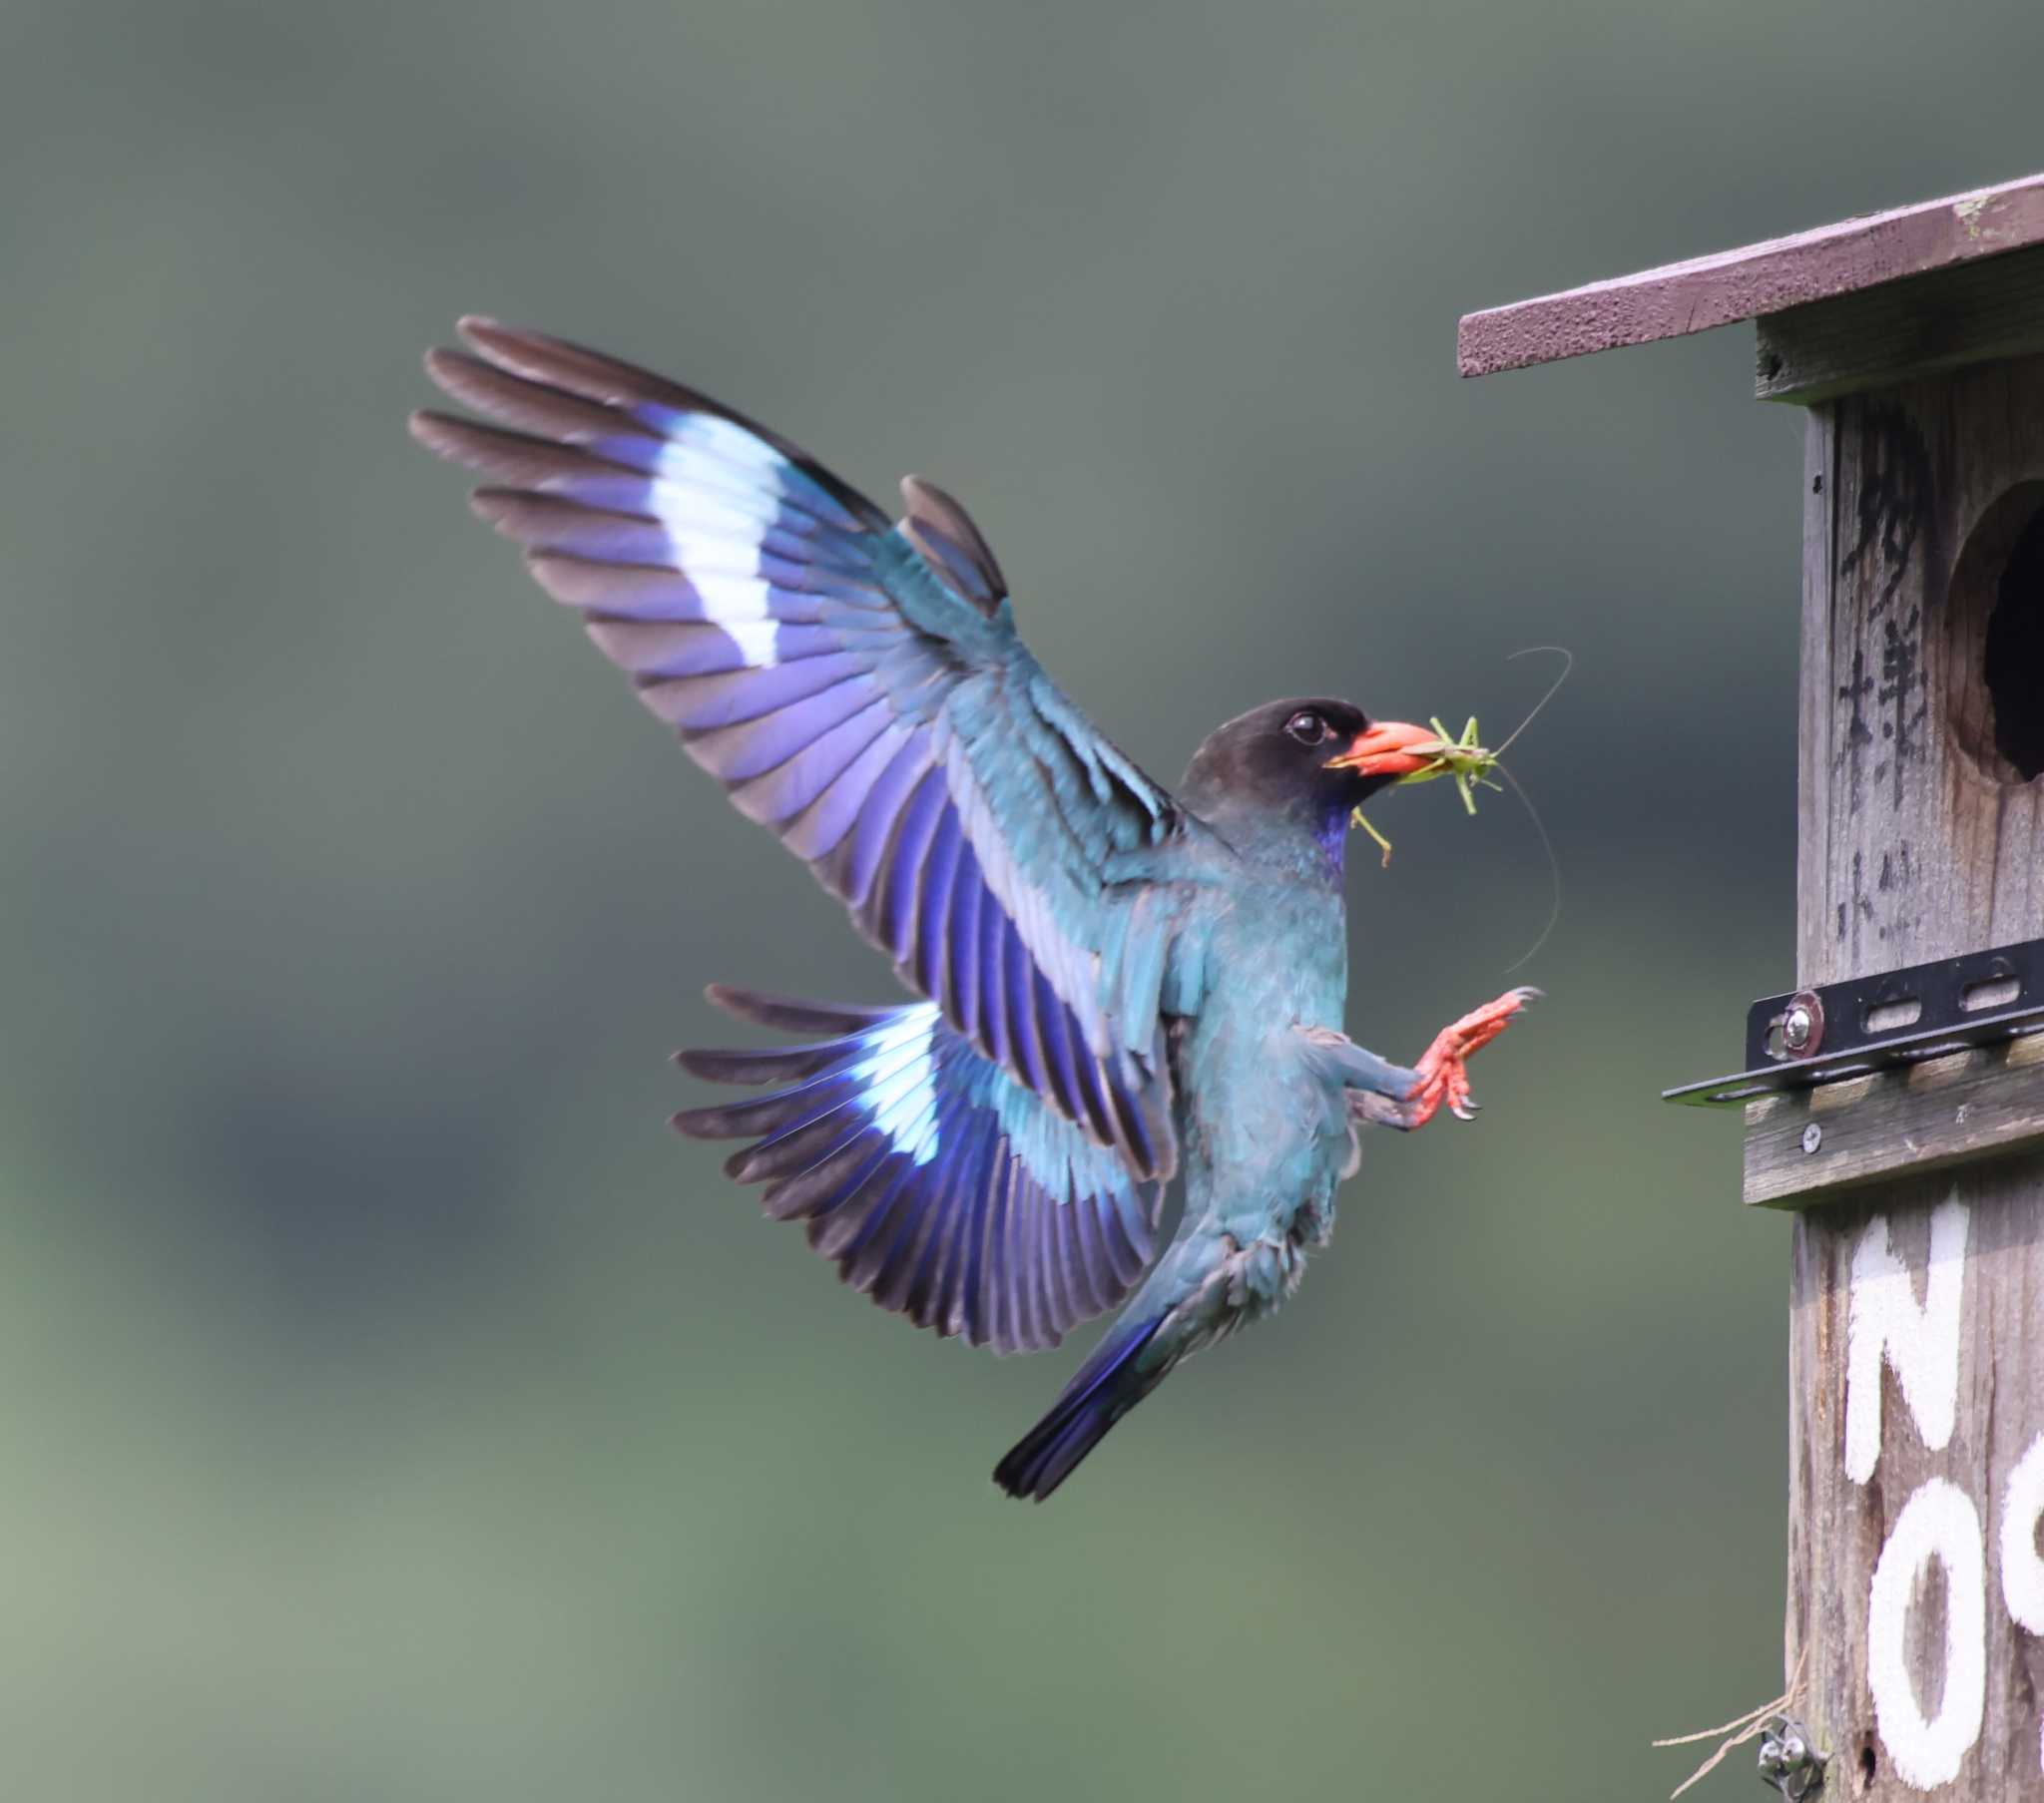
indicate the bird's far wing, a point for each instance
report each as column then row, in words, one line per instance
column 937, row 1184
column 857, row 686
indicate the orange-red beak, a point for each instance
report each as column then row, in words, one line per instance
column 1389, row 748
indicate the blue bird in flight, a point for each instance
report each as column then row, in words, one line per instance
column 1117, row 983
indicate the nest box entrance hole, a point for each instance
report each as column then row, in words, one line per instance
column 1995, row 671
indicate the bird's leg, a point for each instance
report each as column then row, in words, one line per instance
column 1443, row 1067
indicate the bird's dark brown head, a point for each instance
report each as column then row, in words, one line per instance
column 1305, row 763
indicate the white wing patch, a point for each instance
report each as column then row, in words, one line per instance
column 899, row 1079
column 715, row 532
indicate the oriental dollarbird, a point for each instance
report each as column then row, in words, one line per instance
column 1116, row 983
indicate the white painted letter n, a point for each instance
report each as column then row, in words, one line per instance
column 1921, row 1344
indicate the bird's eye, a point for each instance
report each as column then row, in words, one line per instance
column 1307, row 728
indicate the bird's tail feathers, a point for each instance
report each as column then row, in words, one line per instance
column 1105, row 1388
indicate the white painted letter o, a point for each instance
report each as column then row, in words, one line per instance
column 1937, row 1523
column 2022, row 1571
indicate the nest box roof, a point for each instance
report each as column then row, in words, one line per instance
column 1845, row 258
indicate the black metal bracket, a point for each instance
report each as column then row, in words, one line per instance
column 1817, row 1036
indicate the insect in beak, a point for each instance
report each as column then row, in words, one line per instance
column 1409, row 753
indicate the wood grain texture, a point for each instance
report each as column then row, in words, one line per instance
column 1975, row 312
column 1839, row 1527
column 1914, row 846
column 1971, row 1105
column 1705, row 291
column 1916, row 842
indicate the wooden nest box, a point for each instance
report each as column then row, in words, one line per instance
column 1895, row 1099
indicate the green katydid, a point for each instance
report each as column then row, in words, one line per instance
column 1465, row 759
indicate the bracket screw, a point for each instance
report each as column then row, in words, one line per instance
column 1813, row 1136
column 1802, row 1025
column 1789, row 1763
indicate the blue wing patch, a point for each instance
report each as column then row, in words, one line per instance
column 938, row 1185
column 858, row 688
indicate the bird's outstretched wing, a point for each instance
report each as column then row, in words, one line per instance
column 937, row 1184
column 858, row 686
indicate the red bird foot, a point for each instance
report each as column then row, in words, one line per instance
column 1443, row 1067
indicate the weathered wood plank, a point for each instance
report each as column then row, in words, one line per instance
column 1976, row 313
column 1813, row 751
column 1972, row 1105
column 1759, row 279
column 1915, row 847
column 1917, row 1439
column 1916, row 1358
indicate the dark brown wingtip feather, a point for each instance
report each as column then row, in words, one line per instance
column 508, row 456
column 468, row 379
column 714, row 1065
column 702, row 1124
column 456, row 440
column 543, row 521
column 597, row 377
column 430, row 430
column 528, row 405
column 541, row 357
column 790, row 1014
column 455, row 373
column 494, row 506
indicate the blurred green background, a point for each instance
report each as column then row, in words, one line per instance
column 393, row 1409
